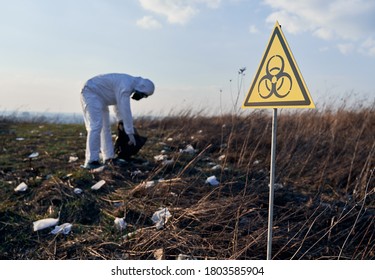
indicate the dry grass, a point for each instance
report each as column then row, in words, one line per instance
column 324, row 200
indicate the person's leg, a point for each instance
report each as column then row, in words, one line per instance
column 106, row 137
column 92, row 112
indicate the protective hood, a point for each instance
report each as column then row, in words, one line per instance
column 145, row 86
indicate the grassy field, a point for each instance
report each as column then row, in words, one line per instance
column 324, row 197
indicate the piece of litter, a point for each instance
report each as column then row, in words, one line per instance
column 221, row 157
column 185, row 257
column 77, row 190
column 72, row 159
column 216, row 167
column 45, row 223
column 160, row 157
column 20, row 139
column 276, row 186
column 120, row 223
column 150, row 184
column 170, row 139
column 189, row 149
column 256, row 162
column 135, row 173
column 98, row 185
column 161, row 217
column 99, row 169
column 21, row 187
column 64, row 229
column 33, row 155
column 212, row 181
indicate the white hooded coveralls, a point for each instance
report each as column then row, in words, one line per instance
column 97, row 94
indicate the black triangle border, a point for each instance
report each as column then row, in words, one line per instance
column 307, row 100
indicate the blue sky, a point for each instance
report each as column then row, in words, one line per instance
column 192, row 50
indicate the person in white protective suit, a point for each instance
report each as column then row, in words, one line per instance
column 97, row 94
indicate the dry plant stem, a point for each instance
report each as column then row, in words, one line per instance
column 359, row 213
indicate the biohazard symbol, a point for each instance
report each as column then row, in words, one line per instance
column 276, row 81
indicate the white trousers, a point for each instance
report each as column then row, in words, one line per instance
column 98, row 126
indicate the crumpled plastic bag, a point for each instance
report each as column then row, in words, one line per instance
column 120, row 223
column 161, row 217
column 64, row 229
column 33, row 155
column 72, row 159
column 77, row 190
column 189, row 149
column 21, row 187
column 44, row 223
column 212, row 181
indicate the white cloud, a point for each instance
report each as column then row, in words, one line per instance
column 253, row 29
column 177, row 11
column 368, row 47
column 349, row 21
column 148, row 22
column 345, row 48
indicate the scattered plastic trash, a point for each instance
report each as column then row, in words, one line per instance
column 182, row 257
column 99, row 169
column 135, row 173
column 72, row 159
column 216, row 167
column 64, row 229
column 98, row 185
column 150, row 184
column 222, row 157
column 160, row 158
column 189, row 149
column 20, row 139
column 44, row 223
column 120, row 223
column 33, row 155
column 21, row 187
column 77, row 190
column 170, row 139
column 256, row 162
column 276, row 186
column 161, row 217
column 212, row 181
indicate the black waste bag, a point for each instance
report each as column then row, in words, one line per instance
column 122, row 148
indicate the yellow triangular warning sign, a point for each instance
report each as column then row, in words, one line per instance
column 278, row 82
